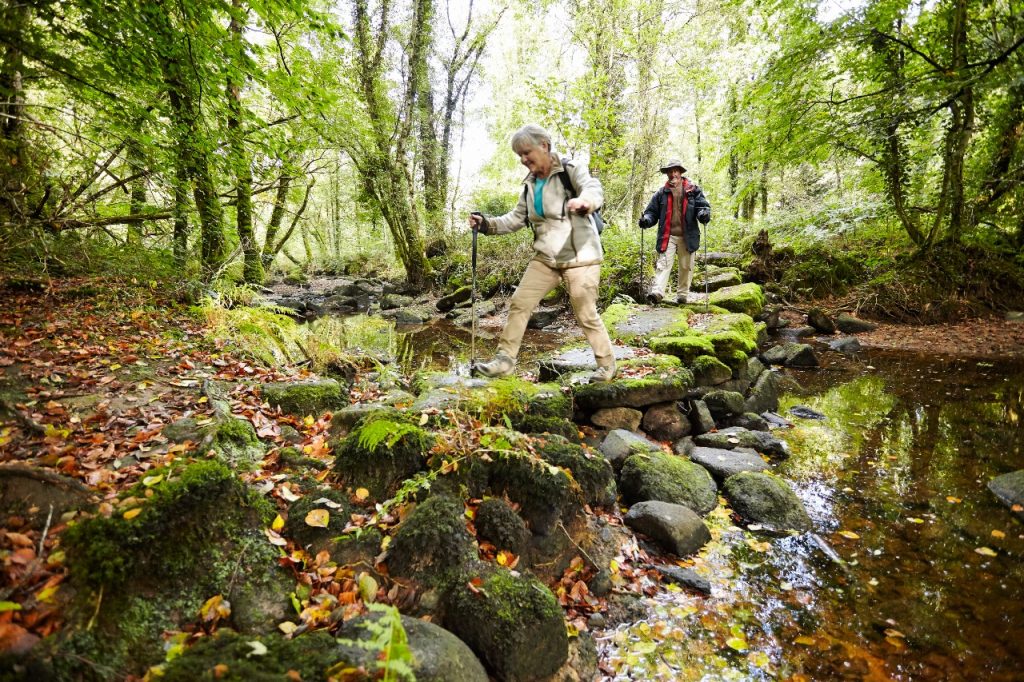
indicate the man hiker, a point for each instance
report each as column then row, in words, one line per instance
column 675, row 209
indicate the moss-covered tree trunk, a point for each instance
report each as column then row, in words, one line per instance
column 136, row 166
column 276, row 215
column 14, row 17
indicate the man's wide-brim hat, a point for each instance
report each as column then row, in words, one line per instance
column 674, row 163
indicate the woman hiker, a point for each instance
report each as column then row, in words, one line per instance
column 566, row 244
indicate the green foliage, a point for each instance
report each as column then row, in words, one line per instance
column 384, row 431
column 389, row 640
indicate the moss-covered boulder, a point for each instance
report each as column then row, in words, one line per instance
column 723, row 403
column 764, row 394
column 449, row 301
column 432, row 545
column 437, row 654
column 497, row 523
column 666, row 422
column 234, row 441
column 710, row 371
column 791, row 355
column 668, row 478
column 675, row 527
column 198, row 535
column 766, row 499
column 546, row 494
column 228, row 656
column 512, row 622
column 742, row 298
column 306, row 398
column 620, row 444
column 717, row 278
column 318, row 537
column 651, row 389
column 383, row 450
column 738, row 437
column 686, row 348
column 592, row 472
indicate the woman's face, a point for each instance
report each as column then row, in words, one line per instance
column 536, row 159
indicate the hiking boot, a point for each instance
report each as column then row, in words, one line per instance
column 654, row 298
column 606, row 373
column 683, row 298
column 501, row 366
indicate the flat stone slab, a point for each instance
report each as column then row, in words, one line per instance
column 676, row 528
column 725, row 463
column 643, row 322
column 649, row 390
column 1009, row 488
column 687, row 577
column 578, row 360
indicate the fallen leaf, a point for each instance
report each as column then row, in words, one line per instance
column 805, row 640
column 736, row 643
column 914, row 519
column 998, row 534
column 132, row 513
column 953, row 500
column 362, row 494
column 278, row 523
column 258, row 648
column 986, row 551
column 318, row 518
column 849, row 534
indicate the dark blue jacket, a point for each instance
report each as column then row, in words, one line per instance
column 697, row 209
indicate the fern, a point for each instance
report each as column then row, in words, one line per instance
column 379, row 431
column 388, row 638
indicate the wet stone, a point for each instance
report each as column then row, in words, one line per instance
column 674, row 527
column 725, row 463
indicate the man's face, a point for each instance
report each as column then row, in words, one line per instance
column 674, row 176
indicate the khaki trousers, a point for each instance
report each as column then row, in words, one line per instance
column 581, row 283
column 663, row 267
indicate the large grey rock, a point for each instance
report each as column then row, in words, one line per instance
column 626, row 418
column 725, row 463
column 764, row 394
column 817, row 318
column 845, row 344
column 446, row 303
column 768, row 500
column 1009, row 488
column 710, row 371
column 738, row 437
column 675, row 527
column 700, row 418
column 619, row 445
column 542, row 317
column 717, row 279
column 392, row 301
column 848, row 324
column 415, row 314
column 665, row 422
column 551, row 367
column 791, row 355
column 668, row 478
column 724, row 403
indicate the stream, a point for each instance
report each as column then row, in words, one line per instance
column 916, row 573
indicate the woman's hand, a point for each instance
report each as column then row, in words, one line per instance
column 579, row 206
column 476, row 221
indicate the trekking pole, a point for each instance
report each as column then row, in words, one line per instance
column 707, row 302
column 642, row 264
column 472, row 337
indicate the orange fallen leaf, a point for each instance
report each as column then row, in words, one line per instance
column 318, row 518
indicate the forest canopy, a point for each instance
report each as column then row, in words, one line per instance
column 238, row 136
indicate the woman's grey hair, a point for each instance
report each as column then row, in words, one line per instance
column 530, row 135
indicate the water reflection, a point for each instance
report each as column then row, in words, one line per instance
column 894, row 479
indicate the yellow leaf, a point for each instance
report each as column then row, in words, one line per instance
column 318, row 518
column 424, row 418
column 150, row 481
column 849, row 534
column 914, row 519
column 953, row 500
column 613, row 566
column 985, row 551
column 278, row 523
column 737, row 643
column 501, row 559
column 805, row 640
column 308, row 421
column 998, row 534
column 287, row 627
column 362, row 494
column 132, row 513
column 367, row 587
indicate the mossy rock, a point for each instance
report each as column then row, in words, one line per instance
column 432, row 545
column 667, row 478
column 230, row 657
column 724, row 403
column 537, row 425
column 686, row 348
column 496, row 522
column 317, row 538
column 727, row 343
column 199, row 531
column 382, row 451
column 656, row 361
column 515, row 399
column 546, row 494
column 592, row 472
column 306, row 398
column 512, row 622
column 235, row 442
column 743, row 298
column 628, row 323
column 710, row 371
column 766, row 499
column 649, row 390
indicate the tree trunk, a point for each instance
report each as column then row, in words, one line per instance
column 13, row 169
column 252, row 271
column 136, row 163
column 181, row 226
column 280, row 201
column 961, row 126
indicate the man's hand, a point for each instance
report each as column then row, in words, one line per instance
column 704, row 215
column 644, row 222
column 579, row 206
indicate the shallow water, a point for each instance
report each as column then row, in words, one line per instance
column 894, row 479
